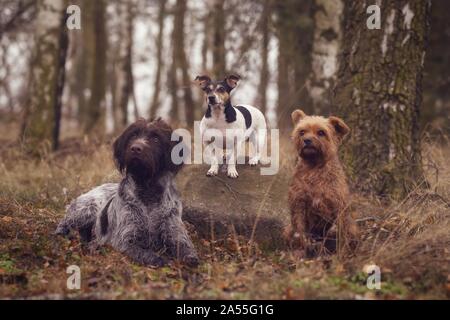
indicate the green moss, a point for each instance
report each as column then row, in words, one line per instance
column 8, row 264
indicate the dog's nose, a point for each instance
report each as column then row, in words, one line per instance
column 307, row 142
column 212, row 99
column 136, row 148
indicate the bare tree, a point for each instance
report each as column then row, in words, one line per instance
column 206, row 45
column 16, row 13
column 96, row 108
column 294, row 31
column 43, row 109
column 179, row 63
column 326, row 47
column 218, row 49
column 379, row 95
column 122, row 83
column 264, row 26
column 159, row 59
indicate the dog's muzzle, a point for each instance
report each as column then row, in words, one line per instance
column 309, row 151
column 212, row 100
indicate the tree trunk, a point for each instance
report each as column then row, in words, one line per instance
column 60, row 82
column 42, row 111
column 172, row 73
column 284, row 90
column 124, row 74
column 85, row 52
column 159, row 60
column 303, row 34
column 219, row 57
column 264, row 79
column 294, row 33
column 325, row 50
column 96, row 109
column 206, row 45
column 180, row 63
column 189, row 105
column 379, row 95
column 173, row 89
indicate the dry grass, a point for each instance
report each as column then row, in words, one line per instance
column 409, row 240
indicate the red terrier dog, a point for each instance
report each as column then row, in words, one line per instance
column 318, row 194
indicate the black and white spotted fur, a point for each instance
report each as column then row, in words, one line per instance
column 221, row 115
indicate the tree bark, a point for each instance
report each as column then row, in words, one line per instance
column 219, row 54
column 172, row 73
column 325, row 50
column 159, row 60
column 84, row 53
column 264, row 79
column 42, row 112
column 96, row 108
column 60, row 82
column 189, row 106
column 124, row 72
column 180, row 63
column 294, row 33
column 379, row 95
column 206, row 45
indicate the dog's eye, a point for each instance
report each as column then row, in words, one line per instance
column 220, row 90
column 321, row 133
column 302, row 133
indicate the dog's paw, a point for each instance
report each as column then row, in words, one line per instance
column 155, row 261
column 62, row 230
column 232, row 173
column 264, row 161
column 191, row 260
column 212, row 172
column 92, row 247
column 253, row 161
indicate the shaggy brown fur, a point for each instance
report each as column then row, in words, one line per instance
column 318, row 194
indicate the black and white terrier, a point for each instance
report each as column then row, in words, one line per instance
column 141, row 215
column 221, row 116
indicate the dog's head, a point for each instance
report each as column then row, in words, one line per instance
column 217, row 93
column 144, row 149
column 317, row 138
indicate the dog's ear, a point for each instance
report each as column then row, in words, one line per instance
column 121, row 143
column 232, row 80
column 339, row 126
column 165, row 133
column 119, row 149
column 297, row 115
column 203, row 81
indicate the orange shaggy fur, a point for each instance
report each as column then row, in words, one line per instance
column 318, row 194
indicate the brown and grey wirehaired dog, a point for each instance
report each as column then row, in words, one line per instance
column 141, row 215
column 318, row 194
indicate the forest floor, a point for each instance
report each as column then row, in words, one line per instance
column 409, row 240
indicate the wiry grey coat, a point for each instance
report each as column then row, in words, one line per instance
column 144, row 230
column 141, row 215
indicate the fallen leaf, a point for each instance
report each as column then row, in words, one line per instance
column 7, row 219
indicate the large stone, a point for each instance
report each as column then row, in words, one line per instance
column 253, row 206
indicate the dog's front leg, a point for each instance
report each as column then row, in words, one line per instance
column 231, row 158
column 211, row 153
column 145, row 256
column 177, row 241
column 296, row 232
column 79, row 217
column 133, row 248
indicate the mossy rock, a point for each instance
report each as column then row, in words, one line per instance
column 220, row 206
